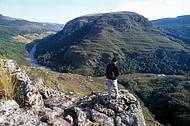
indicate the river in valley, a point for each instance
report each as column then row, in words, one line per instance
column 32, row 59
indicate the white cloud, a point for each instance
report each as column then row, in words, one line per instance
column 155, row 9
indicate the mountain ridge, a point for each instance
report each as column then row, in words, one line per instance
column 89, row 42
column 24, row 24
column 178, row 28
column 183, row 19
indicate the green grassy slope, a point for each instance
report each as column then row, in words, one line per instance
column 10, row 49
column 87, row 43
column 178, row 27
column 15, row 33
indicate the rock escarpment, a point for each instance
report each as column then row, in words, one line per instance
column 36, row 104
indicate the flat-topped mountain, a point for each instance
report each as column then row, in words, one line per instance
column 87, row 43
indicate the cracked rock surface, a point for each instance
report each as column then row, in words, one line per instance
column 97, row 109
column 35, row 104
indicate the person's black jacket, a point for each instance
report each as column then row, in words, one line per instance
column 112, row 71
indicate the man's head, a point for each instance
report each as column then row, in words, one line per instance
column 114, row 60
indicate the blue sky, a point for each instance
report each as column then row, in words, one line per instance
column 61, row 11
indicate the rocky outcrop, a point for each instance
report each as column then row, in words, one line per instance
column 98, row 109
column 36, row 104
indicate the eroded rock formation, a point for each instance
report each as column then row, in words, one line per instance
column 35, row 104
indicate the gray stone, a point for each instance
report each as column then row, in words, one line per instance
column 103, row 119
column 96, row 108
column 37, row 104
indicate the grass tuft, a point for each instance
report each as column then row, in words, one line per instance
column 6, row 86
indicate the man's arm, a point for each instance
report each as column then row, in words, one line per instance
column 116, row 72
column 107, row 70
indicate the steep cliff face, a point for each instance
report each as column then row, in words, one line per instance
column 36, row 104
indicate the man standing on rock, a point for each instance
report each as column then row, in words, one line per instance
column 111, row 74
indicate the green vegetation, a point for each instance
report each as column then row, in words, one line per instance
column 10, row 49
column 86, row 45
column 15, row 33
column 159, row 61
column 178, row 27
column 167, row 97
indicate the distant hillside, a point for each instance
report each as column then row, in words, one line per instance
column 14, row 33
column 180, row 20
column 178, row 27
column 20, row 26
column 87, row 43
